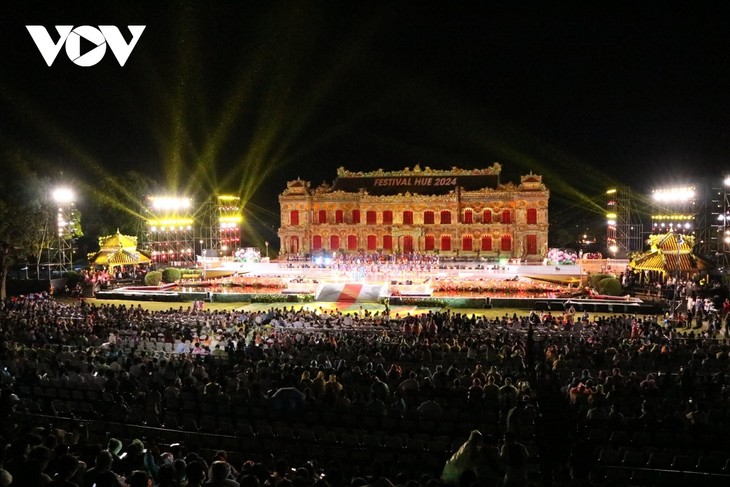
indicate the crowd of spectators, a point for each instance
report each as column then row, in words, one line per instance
column 230, row 374
column 380, row 264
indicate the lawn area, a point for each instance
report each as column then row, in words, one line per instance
column 346, row 308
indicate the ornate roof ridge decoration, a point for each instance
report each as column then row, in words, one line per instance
column 494, row 169
column 532, row 182
column 118, row 240
column 670, row 242
column 508, row 186
column 297, row 183
column 296, row 187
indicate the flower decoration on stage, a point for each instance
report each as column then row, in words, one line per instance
column 561, row 257
column 247, row 254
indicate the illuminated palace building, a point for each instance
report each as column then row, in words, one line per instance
column 455, row 212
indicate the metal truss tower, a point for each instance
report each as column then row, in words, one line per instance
column 624, row 232
column 62, row 255
column 719, row 227
column 220, row 231
column 60, row 249
column 170, row 236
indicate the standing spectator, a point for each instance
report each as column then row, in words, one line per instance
column 514, row 458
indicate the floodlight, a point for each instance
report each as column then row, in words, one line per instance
column 170, row 203
column 228, row 197
column 63, row 195
column 726, row 181
column 674, row 195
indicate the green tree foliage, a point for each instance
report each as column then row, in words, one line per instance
column 597, row 278
column 171, row 274
column 153, row 278
column 610, row 286
column 23, row 214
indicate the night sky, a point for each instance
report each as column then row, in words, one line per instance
column 242, row 96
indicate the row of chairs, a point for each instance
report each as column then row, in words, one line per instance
column 659, row 439
column 668, row 459
column 642, row 477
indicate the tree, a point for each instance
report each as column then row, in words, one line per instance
column 22, row 215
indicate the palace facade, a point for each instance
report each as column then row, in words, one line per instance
column 455, row 212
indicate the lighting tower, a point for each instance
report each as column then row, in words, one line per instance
column 624, row 232
column 170, row 230
column 677, row 209
column 720, row 226
column 221, row 226
column 61, row 257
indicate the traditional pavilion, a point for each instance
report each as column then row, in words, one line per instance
column 453, row 212
column 670, row 255
column 118, row 250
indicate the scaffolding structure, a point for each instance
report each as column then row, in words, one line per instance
column 61, row 256
column 681, row 210
column 170, row 235
column 66, row 225
column 625, row 231
column 220, row 231
column 719, row 225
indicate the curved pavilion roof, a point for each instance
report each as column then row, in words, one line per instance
column 670, row 253
column 118, row 249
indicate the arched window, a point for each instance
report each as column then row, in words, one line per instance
column 387, row 242
column 532, row 216
column 486, row 243
column 294, row 245
column 407, row 243
column 445, row 217
column 334, row 242
column 371, row 217
column 428, row 218
column 487, row 216
column 387, row 217
column 506, row 216
column 429, row 242
column 352, row 242
column 372, row 242
column 294, row 217
column 468, row 216
column 355, row 216
column 339, row 216
column 322, row 217
column 467, row 244
column 445, row 243
column 317, row 242
column 408, row 217
column 506, row 243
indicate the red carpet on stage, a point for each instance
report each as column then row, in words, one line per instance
column 350, row 293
